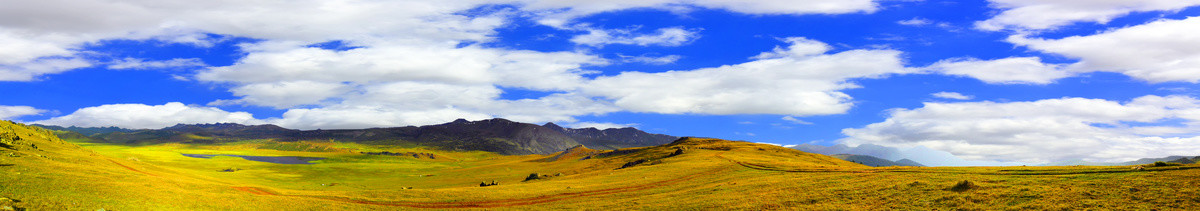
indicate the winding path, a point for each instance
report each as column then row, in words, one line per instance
column 130, row 168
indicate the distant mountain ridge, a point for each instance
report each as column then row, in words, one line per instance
column 1172, row 159
column 874, row 161
column 929, row 157
column 493, row 135
column 920, row 155
column 87, row 131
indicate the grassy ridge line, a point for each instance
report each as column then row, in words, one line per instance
column 705, row 177
column 493, row 203
column 1002, row 172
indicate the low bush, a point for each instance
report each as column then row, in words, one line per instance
column 963, row 186
column 1161, row 164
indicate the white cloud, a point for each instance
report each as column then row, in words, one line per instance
column 674, row 36
column 140, row 64
column 599, row 125
column 471, row 66
column 50, row 29
column 917, row 21
column 951, row 95
column 398, row 90
column 1013, row 70
column 800, row 80
column 794, row 120
column 148, row 116
column 55, row 30
column 410, row 67
column 285, row 94
column 652, row 60
column 1045, row 130
column 9, row 112
column 553, row 108
column 357, row 117
column 1050, row 14
column 560, row 13
column 31, row 70
column 25, row 47
column 1160, row 51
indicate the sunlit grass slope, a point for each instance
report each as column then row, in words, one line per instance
column 691, row 173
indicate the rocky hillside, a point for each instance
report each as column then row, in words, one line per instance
column 613, row 138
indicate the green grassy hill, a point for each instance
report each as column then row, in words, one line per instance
column 689, row 173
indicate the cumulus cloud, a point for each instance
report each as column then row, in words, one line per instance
column 799, row 80
column 429, row 63
column 1044, row 130
column 9, row 112
column 1159, row 51
column 396, row 91
column 148, row 116
column 285, row 94
column 418, row 62
column 674, row 36
column 1050, row 14
column 565, row 11
column 31, row 70
column 951, row 95
column 33, row 30
column 1013, row 70
column 39, row 30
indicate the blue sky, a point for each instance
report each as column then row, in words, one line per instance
column 998, row 80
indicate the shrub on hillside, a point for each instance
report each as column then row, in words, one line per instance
column 963, row 186
column 676, row 153
column 633, row 163
column 1161, row 163
column 532, row 176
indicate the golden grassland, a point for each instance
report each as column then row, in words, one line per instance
column 710, row 174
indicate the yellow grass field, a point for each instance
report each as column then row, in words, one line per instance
column 709, row 174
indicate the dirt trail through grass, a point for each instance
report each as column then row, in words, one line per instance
column 491, row 203
column 130, row 168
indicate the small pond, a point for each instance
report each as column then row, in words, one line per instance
column 269, row 159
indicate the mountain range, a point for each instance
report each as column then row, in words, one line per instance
column 493, row 135
column 931, row 157
column 874, row 161
column 86, row 131
column 514, row 138
column 1171, row 159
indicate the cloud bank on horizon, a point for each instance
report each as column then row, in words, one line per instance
column 998, row 80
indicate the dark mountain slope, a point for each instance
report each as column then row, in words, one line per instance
column 907, row 162
column 613, row 138
column 86, row 131
column 874, row 161
column 493, row 135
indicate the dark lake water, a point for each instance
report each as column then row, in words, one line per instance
column 269, row 159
